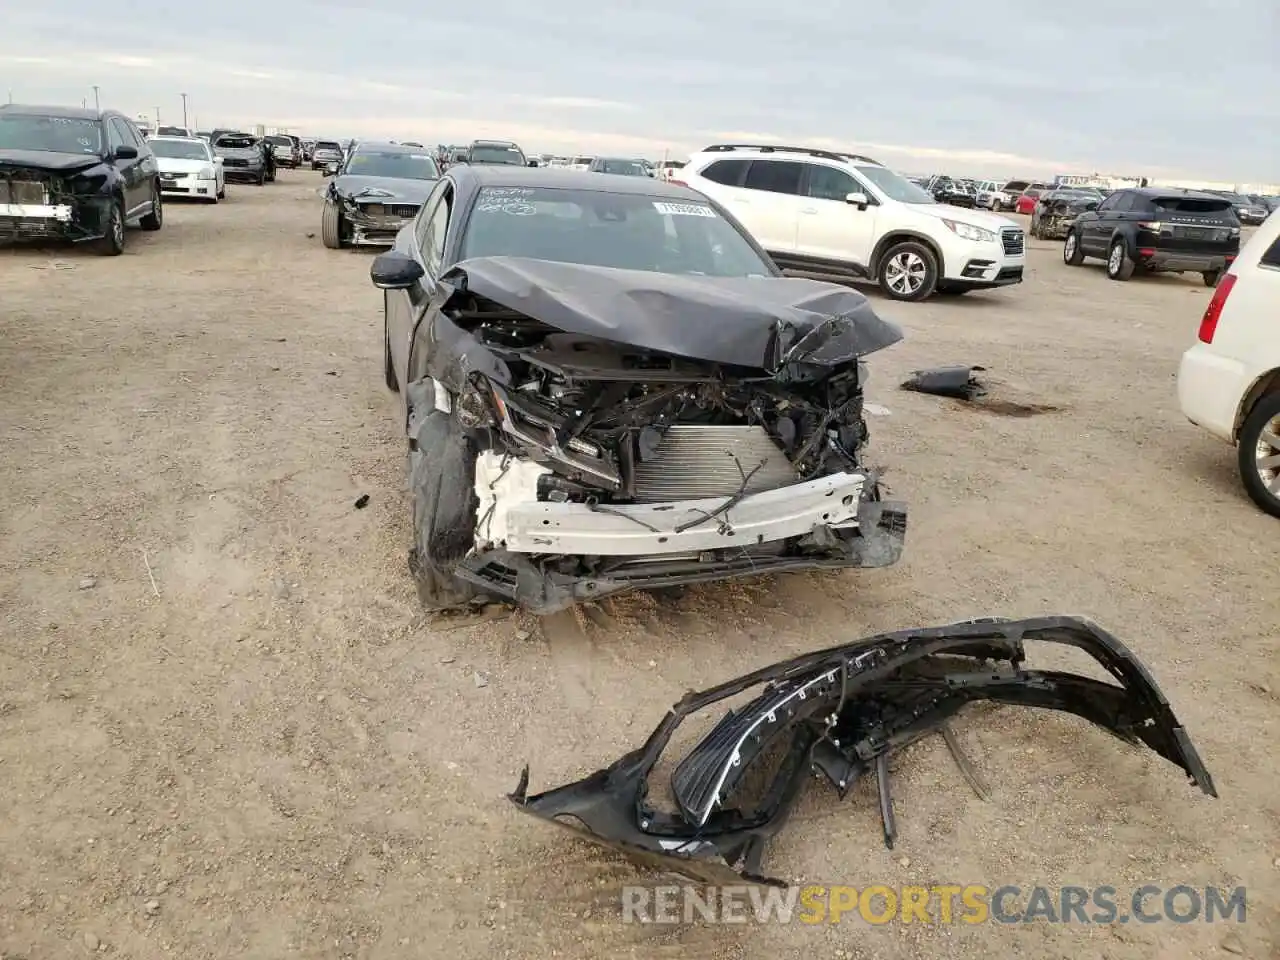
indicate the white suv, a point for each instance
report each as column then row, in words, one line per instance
column 839, row 216
column 1229, row 381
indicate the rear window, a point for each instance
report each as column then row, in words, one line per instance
column 1191, row 205
column 279, row 141
column 327, row 145
column 232, row 142
column 1271, row 258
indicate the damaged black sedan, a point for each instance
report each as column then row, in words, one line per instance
column 373, row 193
column 841, row 713
column 607, row 386
column 76, row 175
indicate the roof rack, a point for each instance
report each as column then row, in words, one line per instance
column 779, row 148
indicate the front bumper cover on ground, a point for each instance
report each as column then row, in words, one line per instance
column 875, row 541
column 842, row 712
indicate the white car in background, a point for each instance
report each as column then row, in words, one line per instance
column 992, row 197
column 845, row 217
column 1229, row 380
column 188, row 168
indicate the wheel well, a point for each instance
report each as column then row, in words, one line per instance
column 1266, row 384
column 902, row 236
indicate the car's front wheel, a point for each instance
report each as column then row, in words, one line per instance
column 1072, row 252
column 331, row 226
column 1259, row 454
column 112, row 242
column 442, row 482
column 908, row 271
column 1211, row 277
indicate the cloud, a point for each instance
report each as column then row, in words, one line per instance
column 1009, row 88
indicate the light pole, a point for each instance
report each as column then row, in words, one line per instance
column 157, row 118
column 184, row 110
column 96, row 105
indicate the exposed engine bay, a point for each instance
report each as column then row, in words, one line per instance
column 602, row 464
column 840, row 714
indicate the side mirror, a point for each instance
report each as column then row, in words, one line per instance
column 1091, row 206
column 395, row 271
column 533, row 163
column 330, row 169
column 126, row 153
column 859, row 200
column 218, row 161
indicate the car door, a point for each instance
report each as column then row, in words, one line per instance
column 770, row 207
column 117, row 137
column 1093, row 227
column 830, row 227
column 404, row 308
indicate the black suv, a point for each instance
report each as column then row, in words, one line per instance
column 495, row 151
column 1157, row 230
column 73, row 174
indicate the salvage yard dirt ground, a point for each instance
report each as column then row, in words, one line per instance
column 227, row 731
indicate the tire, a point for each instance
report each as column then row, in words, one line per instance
column 1072, row 251
column 262, row 178
column 1119, row 264
column 331, row 226
column 1211, row 277
column 1263, row 421
column 908, row 271
column 112, row 242
column 155, row 219
column 442, row 484
column 222, row 194
column 388, row 365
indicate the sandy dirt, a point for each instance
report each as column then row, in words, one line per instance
column 269, row 752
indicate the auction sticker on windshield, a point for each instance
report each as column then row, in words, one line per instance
column 684, row 209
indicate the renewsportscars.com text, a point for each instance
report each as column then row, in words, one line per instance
column 937, row 904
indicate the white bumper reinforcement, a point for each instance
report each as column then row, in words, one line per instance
column 533, row 526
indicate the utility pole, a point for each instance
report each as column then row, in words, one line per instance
column 157, row 118
column 184, row 109
column 96, row 105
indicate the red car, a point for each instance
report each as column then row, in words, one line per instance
column 1026, row 203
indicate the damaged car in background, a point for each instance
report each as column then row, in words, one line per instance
column 646, row 404
column 374, row 193
column 245, row 158
column 1056, row 211
column 75, row 175
column 841, row 714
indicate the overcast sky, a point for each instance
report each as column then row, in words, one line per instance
column 1002, row 86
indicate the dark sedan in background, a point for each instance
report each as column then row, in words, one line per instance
column 619, row 165
column 375, row 192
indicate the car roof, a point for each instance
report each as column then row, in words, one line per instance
column 494, row 143
column 769, row 149
column 1150, row 192
column 509, row 175
column 71, row 113
column 175, row 139
column 388, row 147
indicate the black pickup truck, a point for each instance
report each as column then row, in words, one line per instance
column 1157, row 230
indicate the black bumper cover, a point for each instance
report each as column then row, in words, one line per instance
column 842, row 712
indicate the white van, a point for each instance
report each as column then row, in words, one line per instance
column 1229, row 381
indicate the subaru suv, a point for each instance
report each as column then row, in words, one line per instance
column 845, row 217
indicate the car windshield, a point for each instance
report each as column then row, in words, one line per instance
column 895, row 187
column 180, row 149
column 279, row 141
column 496, row 153
column 54, row 134
column 626, row 231
column 628, row 168
column 398, row 165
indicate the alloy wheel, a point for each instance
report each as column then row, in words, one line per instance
column 1267, row 456
column 905, row 273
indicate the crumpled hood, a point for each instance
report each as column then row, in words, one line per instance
column 48, row 160
column 759, row 322
column 408, row 191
